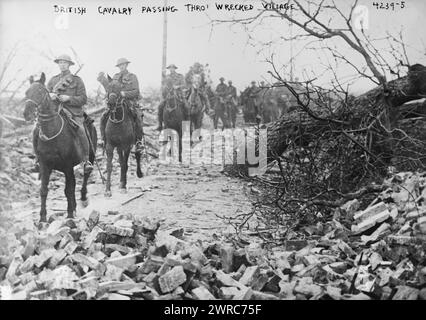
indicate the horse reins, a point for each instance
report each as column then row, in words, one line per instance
column 43, row 117
column 115, row 121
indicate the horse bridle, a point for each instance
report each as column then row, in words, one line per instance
column 46, row 117
column 175, row 99
column 118, row 102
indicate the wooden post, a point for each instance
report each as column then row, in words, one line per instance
column 164, row 62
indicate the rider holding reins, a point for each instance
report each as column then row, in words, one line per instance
column 172, row 81
column 131, row 94
column 69, row 91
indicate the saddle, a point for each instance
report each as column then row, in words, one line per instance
column 70, row 118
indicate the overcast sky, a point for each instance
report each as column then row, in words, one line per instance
column 100, row 40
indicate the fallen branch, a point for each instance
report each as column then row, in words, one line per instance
column 133, row 198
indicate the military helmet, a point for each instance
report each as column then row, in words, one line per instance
column 171, row 66
column 121, row 61
column 221, row 78
column 64, row 57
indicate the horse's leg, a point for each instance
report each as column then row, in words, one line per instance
column 139, row 172
column 109, row 153
column 199, row 122
column 45, row 176
column 70, row 192
column 120, row 160
column 216, row 117
column 180, row 144
column 86, row 176
column 124, row 158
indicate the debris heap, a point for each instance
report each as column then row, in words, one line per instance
column 375, row 253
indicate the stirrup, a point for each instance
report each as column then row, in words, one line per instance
column 139, row 146
column 36, row 167
column 87, row 167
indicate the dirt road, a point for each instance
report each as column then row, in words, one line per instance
column 193, row 197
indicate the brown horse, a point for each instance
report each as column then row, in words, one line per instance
column 220, row 111
column 119, row 133
column 57, row 146
column 196, row 103
column 174, row 114
column 231, row 105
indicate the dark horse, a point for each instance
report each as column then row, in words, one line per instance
column 57, row 145
column 196, row 101
column 119, row 133
column 174, row 113
column 220, row 111
column 250, row 106
column 231, row 105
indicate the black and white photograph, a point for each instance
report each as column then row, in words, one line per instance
column 236, row 151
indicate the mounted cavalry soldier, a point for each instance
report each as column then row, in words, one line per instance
column 172, row 81
column 69, row 92
column 232, row 102
column 232, row 92
column 131, row 94
column 222, row 88
column 196, row 82
column 222, row 93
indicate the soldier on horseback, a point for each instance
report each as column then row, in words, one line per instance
column 232, row 102
column 173, row 81
column 131, row 94
column 197, row 83
column 232, row 92
column 222, row 88
column 69, row 91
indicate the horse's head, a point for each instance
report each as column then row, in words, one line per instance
column 36, row 96
column 113, row 94
column 112, row 88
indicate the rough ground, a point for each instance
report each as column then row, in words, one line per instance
column 166, row 239
column 189, row 196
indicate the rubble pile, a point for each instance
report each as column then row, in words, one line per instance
column 16, row 161
column 375, row 253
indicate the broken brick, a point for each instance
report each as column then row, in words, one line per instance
column 201, row 293
column 124, row 262
column 406, row 293
column 227, row 256
column 172, row 279
column 249, row 276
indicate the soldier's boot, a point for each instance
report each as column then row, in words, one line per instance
column 104, row 119
column 160, row 116
column 85, row 148
column 138, row 131
column 36, row 167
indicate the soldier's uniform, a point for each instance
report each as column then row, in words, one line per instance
column 131, row 94
column 232, row 93
column 253, row 95
column 171, row 81
column 222, row 90
column 221, row 93
column 75, row 89
column 71, row 85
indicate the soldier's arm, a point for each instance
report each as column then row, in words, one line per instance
column 80, row 97
column 132, row 91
